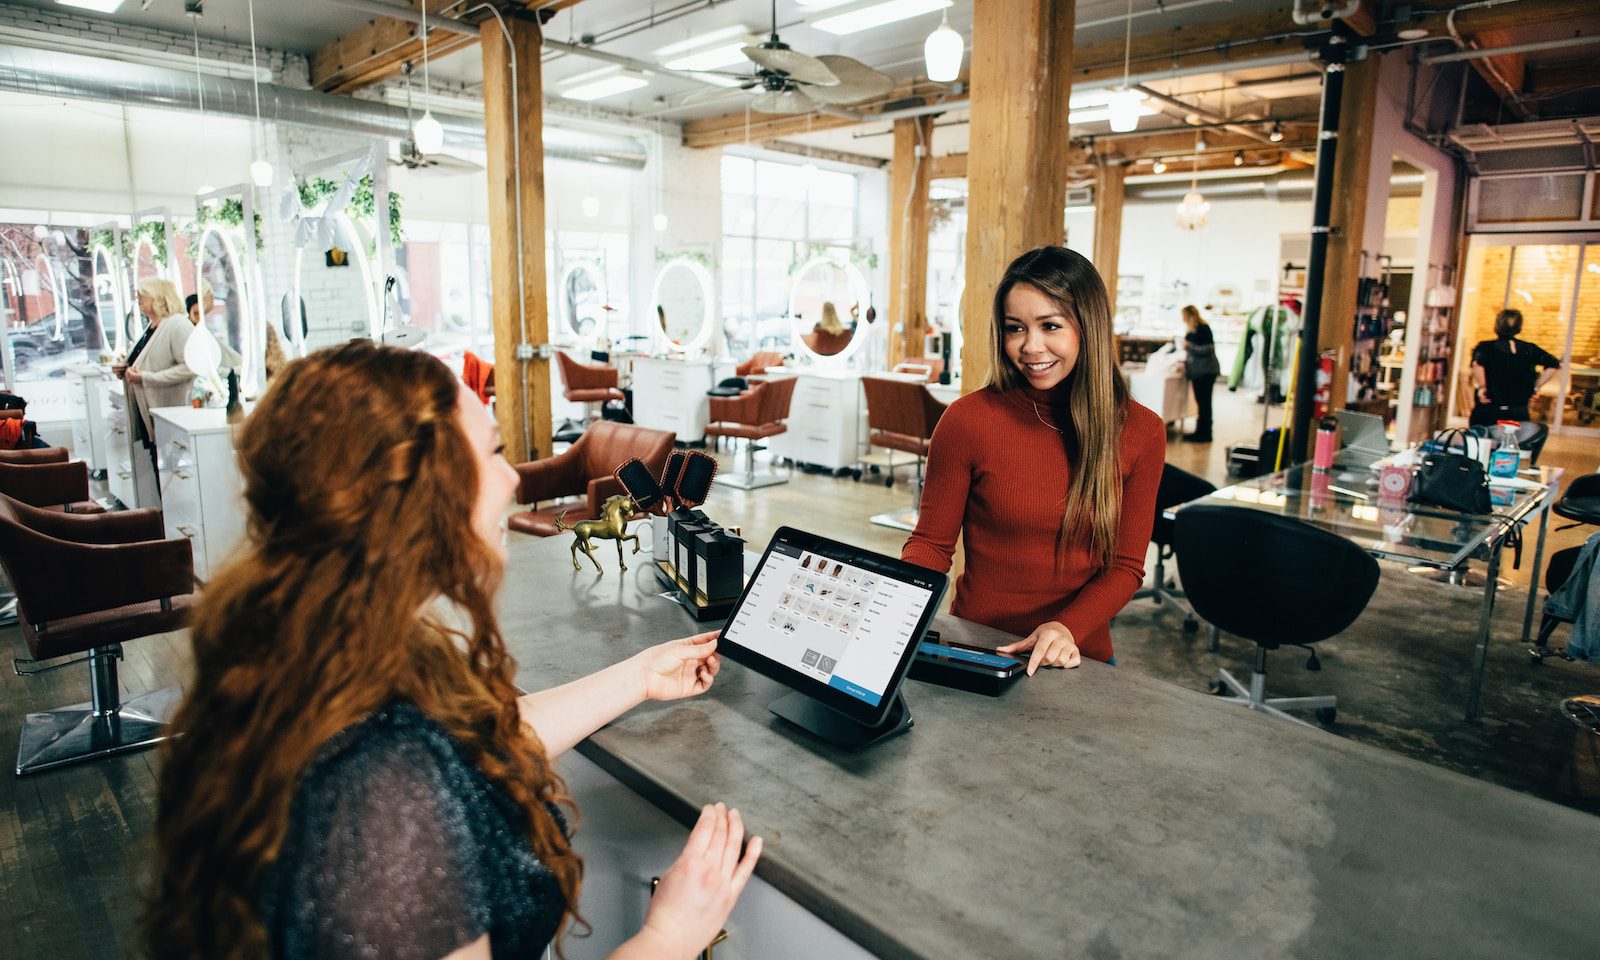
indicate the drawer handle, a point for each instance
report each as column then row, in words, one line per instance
column 124, row 474
column 186, row 531
column 180, row 475
column 178, row 446
column 812, row 436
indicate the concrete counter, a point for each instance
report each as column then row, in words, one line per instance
column 1092, row 812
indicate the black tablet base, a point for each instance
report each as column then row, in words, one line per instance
column 830, row 725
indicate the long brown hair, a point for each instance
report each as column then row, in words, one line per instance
column 1092, row 401
column 360, row 486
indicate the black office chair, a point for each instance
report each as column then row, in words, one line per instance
column 1177, row 487
column 1581, row 502
column 1272, row 580
column 1531, row 435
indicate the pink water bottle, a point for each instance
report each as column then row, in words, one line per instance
column 1322, row 456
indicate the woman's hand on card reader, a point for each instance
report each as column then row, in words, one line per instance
column 1052, row 645
column 679, row 668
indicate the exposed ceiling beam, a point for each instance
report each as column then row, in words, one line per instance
column 375, row 52
column 752, row 127
column 1253, row 131
column 1434, row 14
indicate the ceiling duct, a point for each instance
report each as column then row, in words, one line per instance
column 49, row 73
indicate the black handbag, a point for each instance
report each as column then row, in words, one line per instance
column 1451, row 480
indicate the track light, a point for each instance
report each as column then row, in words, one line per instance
column 1238, row 158
column 1276, row 136
column 1160, row 166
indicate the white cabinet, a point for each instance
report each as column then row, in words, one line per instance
column 827, row 421
column 671, row 394
column 625, row 841
column 201, row 490
column 130, row 473
column 91, row 433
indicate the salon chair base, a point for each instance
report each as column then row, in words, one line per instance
column 750, row 479
column 1254, row 696
column 103, row 726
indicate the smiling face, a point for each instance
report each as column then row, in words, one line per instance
column 497, row 479
column 1040, row 338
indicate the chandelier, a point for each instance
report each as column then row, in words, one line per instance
column 1193, row 208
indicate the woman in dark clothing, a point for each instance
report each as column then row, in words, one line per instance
column 353, row 772
column 1202, row 369
column 1506, row 372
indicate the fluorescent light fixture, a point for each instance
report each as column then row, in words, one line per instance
column 820, row 4
column 704, row 40
column 98, row 6
column 876, row 15
column 608, row 87
column 714, row 58
column 719, row 79
column 1101, row 114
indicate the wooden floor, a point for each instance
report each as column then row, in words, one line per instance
column 75, row 843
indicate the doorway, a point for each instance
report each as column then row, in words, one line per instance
column 1554, row 279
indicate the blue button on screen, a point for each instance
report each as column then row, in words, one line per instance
column 860, row 693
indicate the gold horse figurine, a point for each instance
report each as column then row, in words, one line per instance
column 612, row 525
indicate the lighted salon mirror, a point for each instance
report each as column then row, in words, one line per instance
column 827, row 300
column 335, row 291
column 110, row 314
column 143, row 266
column 203, row 355
column 582, row 299
column 220, row 274
column 684, row 305
column 70, row 325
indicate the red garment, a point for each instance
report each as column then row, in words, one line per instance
column 478, row 375
column 998, row 476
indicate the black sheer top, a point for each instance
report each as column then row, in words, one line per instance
column 399, row 848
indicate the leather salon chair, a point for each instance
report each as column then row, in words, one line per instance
column 45, row 478
column 86, row 585
column 758, row 364
column 1177, row 487
column 585, row 469
column 901, row 416
column 591, row 384
column 1274, row 581
column 760, row 412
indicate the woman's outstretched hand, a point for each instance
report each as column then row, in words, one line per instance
column 679, row 668
column 1052, row 644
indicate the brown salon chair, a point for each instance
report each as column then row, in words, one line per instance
column 45, row 478
column 758, row 364
column 757, row 413
column 86, row 585
column 590, row 384
column 901, row 416
column 585, row 469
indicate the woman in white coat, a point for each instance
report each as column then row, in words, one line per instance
column 158, row 377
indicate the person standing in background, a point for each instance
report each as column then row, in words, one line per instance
column 1506, row 372
column 1202, row 369
column 158, row 377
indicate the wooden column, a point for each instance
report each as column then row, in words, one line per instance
column 1108, row 196
column 513, row 121
column 909, row 174
column 1017, row 163
column 1352, row 167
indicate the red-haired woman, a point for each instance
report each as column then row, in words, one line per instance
column 1048, row 473
column 356, row 775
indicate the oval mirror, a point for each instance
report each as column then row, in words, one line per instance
column 224, row 297
column 334, row 285
column 110, row 313
column 583, row 300
column 826, row 300
column 145, row 267
column 685, row 309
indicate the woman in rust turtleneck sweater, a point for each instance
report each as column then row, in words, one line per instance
column 1049, row 472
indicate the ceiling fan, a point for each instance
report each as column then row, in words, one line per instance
column 411, row 158
column 794, row 82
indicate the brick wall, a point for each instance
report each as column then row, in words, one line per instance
column 1541, row 277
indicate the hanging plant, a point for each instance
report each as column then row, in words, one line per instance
column 363, row 203
column 694, row 256
column 155, row 232
column 229, row 212
column 860, row 255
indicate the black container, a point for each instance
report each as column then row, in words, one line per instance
column 679, row 518
column 718, row 566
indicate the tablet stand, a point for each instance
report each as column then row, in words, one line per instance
column 828, row 724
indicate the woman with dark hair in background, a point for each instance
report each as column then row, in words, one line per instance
column 1506, row 372
column 1049, row 473
column 1201, row 368
column 353, row 773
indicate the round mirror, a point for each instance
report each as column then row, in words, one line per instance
column 110, row 313
column 583, row 300
column 826, row 300
column 685, row 309
column 333, row 285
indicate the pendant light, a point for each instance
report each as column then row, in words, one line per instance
column 428, row 135
column 1193, row 208
column 1123, row 103
column 260, row 169
column 942, row 52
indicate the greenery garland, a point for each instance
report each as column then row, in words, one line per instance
column 860, row 255
column 363, row 203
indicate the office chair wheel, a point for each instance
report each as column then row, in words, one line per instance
column 1191, row 625
column 889, row 481
column 1218, row 689
column 855, row 475
column 1327, row 715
